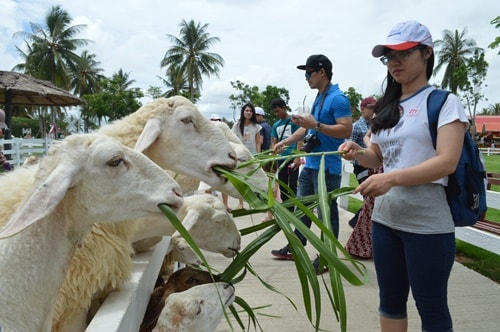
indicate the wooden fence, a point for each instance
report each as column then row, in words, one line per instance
column 18, row 149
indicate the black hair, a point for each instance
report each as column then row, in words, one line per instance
column 387, row 109
column 278, row 102
column 241, row 122
column 329, row 73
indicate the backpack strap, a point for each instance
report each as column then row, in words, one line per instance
column 435, row 102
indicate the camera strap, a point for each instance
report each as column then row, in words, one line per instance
column 284, row 128
column 322, row 101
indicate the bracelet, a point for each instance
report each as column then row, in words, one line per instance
column 318, row 125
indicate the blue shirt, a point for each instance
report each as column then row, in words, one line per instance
column 335, row 106
column 265, row 132
column 359, row 130
column 289, row 128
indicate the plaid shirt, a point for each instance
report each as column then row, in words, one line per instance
column 359, row 130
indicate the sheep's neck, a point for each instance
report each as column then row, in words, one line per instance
column 38, row 273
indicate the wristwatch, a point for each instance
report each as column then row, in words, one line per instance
column 318, row 124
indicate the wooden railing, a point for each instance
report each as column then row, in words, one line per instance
column 485, row 234
column 123, row 310
column 18, row 149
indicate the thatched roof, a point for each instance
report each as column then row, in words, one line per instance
column 26, row 90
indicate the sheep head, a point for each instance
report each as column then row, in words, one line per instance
column 257, row 178
column 180, row 281
column 176, row 136
column 196, row 309
column 210, row 225
column 180, row 251
column 88, row 177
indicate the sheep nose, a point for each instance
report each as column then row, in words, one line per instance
column 237, row 244
column 232, row 155
column 179, row 198
column 178, row 192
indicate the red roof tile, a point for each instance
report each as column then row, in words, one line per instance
column 491, row 123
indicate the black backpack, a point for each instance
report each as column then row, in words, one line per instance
column 466, row 192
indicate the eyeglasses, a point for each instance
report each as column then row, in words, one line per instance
column 309, row 73
column 398, row 56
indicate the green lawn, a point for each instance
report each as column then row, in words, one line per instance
column 493, row 165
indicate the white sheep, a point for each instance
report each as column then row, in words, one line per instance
column 189, row 184
column 180, row 251
column 198, row 309
column 84, row 179
column 91, row 277
column 181, row 280
column 206, row 219
column 30, row 160
column 18, row 183
column 257, row 175
column 257, row 178
column 177, row 137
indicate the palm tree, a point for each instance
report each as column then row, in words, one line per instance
column 176, row 81
column 496, row 43
column 51, row 51
column 455, row 50
column 85, row 75
column 190, row 53
column 85, row 80
column 493, row 109
column 121, row 79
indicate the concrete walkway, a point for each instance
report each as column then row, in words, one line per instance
column 474, row 300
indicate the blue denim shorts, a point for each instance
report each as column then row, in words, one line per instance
column 421, row 262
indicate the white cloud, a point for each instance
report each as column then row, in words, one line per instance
column 262, row 42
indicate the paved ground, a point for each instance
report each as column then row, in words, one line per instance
column 474, row 299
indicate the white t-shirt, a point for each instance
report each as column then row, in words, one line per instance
column 419, row 209
column 248, row 137
column 409, row 142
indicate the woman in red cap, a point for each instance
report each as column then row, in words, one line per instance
column 412, row 227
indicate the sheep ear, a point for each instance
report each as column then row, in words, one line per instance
column 189, row 220
column 42, row 201
column 150, row 133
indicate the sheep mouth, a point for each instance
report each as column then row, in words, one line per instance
column 232, row 252
column 173, row 207
column 169, row 209
column 231, row 296
column 220, row 171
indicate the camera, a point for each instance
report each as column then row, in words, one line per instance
column 310, row 142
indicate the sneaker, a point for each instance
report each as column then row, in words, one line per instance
column 284, row 253
column 315, row 263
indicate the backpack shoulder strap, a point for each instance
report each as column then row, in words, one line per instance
column 435, row 102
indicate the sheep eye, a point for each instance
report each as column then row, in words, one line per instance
column 115, row 162
column 186, row 121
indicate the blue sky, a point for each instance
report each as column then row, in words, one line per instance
column 262, row 41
